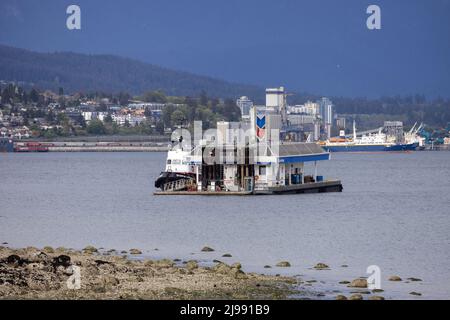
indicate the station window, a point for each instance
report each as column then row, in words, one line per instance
column 262, row 170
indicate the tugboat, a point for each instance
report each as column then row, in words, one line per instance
column 178, row 168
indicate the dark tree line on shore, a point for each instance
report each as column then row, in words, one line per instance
column 434, row 113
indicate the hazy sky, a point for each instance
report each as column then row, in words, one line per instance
column 317, row 46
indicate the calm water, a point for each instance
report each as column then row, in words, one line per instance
column 394, row 213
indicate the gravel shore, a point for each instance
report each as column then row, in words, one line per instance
column 48, row 273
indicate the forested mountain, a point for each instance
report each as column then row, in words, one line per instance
column 74, row 72
column 107, row 73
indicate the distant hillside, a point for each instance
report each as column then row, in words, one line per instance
column 108, row 73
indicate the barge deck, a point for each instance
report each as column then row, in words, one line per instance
column 315, row 187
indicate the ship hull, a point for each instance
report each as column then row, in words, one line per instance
column 371, row 148
column 166, row 177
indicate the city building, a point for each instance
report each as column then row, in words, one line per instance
column 131, row 119
column 244, row 104
column 326, row 114
column 276, row 102
column 341, row 123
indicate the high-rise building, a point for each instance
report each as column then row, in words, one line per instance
column 326, row 110
column 326, row 113
column 341, row 123
column 245, row 104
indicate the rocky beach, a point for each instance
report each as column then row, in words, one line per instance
column 91, row 273
column 32, row 273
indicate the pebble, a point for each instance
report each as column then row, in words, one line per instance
column 341, row 297
column 207, row 249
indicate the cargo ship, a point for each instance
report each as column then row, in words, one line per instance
column 377, row 142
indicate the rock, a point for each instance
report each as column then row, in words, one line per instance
column 42, row 256
column 207, row 249
column 415, row 293
column 344, row 282
column 344, row 266
column 13, row 259
column 216, row 261
column 320, row 295
column 395, row 278
column 226, row 255
column 376, row 298
column 222, row 268
column 414, row 279
column 90, row 249
column 356, row 297
column 358, row 283
column 321, row 266
column 61, row 260
column 164, row 263
column 48, row 249
column 267, row 266
column 101, row 262
column 377, row 290
column 236, row 265
column 361, row 292
column 341, row 297
column 238, row 274
column 283, row 264
column 135, row 251
column 191, row 265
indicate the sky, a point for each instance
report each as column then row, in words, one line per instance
column 315, row 46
